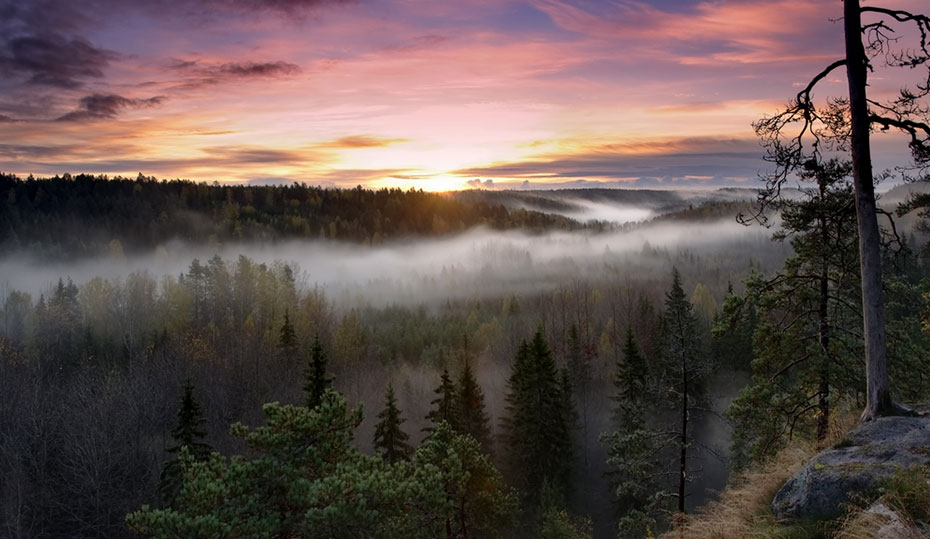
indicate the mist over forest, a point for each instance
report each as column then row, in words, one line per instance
column 99, row 339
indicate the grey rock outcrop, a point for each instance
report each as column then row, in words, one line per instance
column 870, row 452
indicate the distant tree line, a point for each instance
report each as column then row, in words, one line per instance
column 67, row 215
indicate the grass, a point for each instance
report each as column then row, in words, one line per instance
column 744, row 509
column 907, row 494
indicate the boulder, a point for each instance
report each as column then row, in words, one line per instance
column 870, row 452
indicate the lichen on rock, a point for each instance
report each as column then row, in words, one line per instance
column 871, row 452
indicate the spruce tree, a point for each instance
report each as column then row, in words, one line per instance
column 537, row 425
column 187, row 434
column 579, row 369
column 633, row 450
column 287, row 338
column 630, row 380
column 315, row 374
column 685, row 369
column 390, row 439
column 472, row 418
column 444, row 405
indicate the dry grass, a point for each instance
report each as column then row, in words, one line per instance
column 902, row 511
column 743, row 510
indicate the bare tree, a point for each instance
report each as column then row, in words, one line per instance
column 804, row 131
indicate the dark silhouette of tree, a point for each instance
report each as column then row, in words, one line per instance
column 845, row 124
column 634, row 462
column 684, row 370
column 390, row 438
column 472, row 418
column 287, row 337
column 444, row 405
column 315, row 374
column 187, row 434
column 578, row 362
column 537, row 426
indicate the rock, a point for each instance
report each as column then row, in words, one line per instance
column 870, row 452
column 891, row 525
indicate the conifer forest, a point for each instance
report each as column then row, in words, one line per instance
column 546, row 269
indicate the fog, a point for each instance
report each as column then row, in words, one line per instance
column 588, row 279
column 477, row 264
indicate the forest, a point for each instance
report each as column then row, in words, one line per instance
column 514, row 373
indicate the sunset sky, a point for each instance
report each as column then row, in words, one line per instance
column 425, row 94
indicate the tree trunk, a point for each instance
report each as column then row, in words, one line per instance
column 878, row 396
column 823, row 330
column 683, row 462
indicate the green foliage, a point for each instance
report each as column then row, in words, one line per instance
column 732, row 331
column 556, row 522
column 390, row 438
column 630, row 382
column 188, row 437
column 445, row 407
column 477, row 501
column 472, row 419
column 287, row 338
column 634, row 460
column 538, row 423
column 684, row 368
column 317, row 382
column 807, row 340
column 302, row 477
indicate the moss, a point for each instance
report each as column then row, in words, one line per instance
column 845, row 442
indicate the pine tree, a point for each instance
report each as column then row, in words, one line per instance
column 633, row 450
column 444, row 405
column 287, row 339
column 315, row 374
column 187, row 434
column 472, row 419
column 579, row 369
column 805, row 353
column 685, row 369
column 537, row 425
column 629, row 382
column 390, row 439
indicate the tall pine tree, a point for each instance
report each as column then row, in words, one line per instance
column 472, row 418
column 287, row 338
column 538, row 425
column 685, row 368
column 187, row 433
column 634, row 460
column 390, row 438
column 444, row 405
column 805, row 351
column 316, row 379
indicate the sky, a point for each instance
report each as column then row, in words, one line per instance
column 428, row 94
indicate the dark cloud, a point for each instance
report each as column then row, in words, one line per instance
column 53, row 60
column 25, row 151
column 103, row 106
column 208, row 75
column 684, row 160
column 282, row 6
column 252, row 69
column 4, row 118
